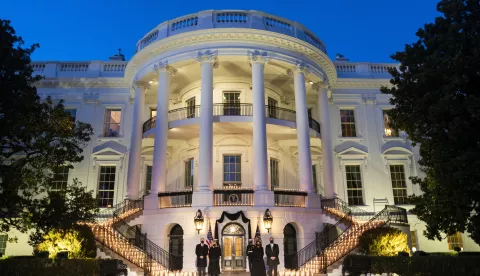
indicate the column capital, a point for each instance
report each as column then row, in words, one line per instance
column 163, row 66
column 138, row 84
column 321, row 84
column 207, row 56
column 258, row 57
column 300, row 67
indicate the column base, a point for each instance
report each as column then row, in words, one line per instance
column 264, row 199
column 151, row 202
column 314, row 201
column 202, row 199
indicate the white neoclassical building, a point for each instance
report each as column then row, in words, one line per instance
column 233, row 113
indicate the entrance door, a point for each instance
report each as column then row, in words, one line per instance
column 176, row 248
column 290, row 247
column 233, row 242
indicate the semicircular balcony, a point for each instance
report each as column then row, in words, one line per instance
column 238, row 113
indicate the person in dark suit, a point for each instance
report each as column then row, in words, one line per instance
column 250, row 247
column 258, row 264
column 202, row 252
column 272, row 251
column 214, row 257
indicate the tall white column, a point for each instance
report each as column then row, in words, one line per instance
column 326, row 134
column 205, row 162
column 134, row 166
column 303, row 130
column 260, row 159
column 159, row 165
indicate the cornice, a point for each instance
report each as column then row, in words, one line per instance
column 260, row 37
column 361, row 83
column 84, row 82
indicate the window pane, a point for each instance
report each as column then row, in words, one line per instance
column 111, row 126
column 106, row 186
column 153, row 112
column 148, row 179
column 314, row 177
column 454, row 241
column 354, row 185
column 190, row 107
column 232, row 170
column 73, row 113
column 413, row 235
column 3, row 244
column 399, row 184
column 347, row 117
column 389, row 131
column 189, row 172
column 274, row 175
column 60, row 178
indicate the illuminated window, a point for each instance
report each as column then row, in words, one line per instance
column 111, row 126
column 106, row 186
column 274, row 175
column 153, row 112
column 190, row 107
column 347, row 117
column 399, row 184
column 72, row 112
column 232, row 170
column 389, row 131
column 354, row 185
column 148, row 179
column 455, row 241
column 60, row 178
column 413, row 235
column 189, row 172
column 3, row 244
column 231, row 102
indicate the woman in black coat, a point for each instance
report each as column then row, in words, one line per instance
column 214, row 257
column 258, row 264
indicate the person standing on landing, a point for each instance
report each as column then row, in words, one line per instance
column 202, row 252
column 258, row 265
column 272, row 251
column 250, row 247
column 214, row 256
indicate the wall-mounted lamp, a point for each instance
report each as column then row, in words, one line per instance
column 267, row 220
column 198, row 220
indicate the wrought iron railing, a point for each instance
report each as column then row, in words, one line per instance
column 149, row 124
column 232, row 109
column 275, row 112
column 233, row 197
column 175, row 199
column 183, row 113
column 285, row 198
column 313, row 124
column 341, row 208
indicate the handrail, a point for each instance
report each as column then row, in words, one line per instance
column 232, row 109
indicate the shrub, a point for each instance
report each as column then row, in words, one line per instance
column 384, row 242
column 47, row 267
column 79, row 242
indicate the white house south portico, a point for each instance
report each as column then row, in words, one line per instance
column 233, row 122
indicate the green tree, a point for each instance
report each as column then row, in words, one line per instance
column 36, row 137
column 436, row 101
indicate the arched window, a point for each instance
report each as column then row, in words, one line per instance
column 290, row 247
column 176, row 247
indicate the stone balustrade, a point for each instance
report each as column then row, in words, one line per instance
column 364, row 69
column 89, row 69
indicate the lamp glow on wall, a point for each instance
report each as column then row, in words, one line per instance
column 198, row 220
column 267, row 220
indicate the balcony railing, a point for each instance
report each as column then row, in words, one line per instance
column 175, row 199
column 290, row 198
column 239, row 109
column 231, row 196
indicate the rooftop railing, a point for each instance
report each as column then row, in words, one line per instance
column 89, row 69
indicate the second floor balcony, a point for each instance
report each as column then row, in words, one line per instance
column 274, row 115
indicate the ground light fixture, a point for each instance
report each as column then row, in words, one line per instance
column 198, row 220
column 267, row 220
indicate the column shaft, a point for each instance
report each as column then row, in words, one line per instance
column 327, row 148
column 205, row 180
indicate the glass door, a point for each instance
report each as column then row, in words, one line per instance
column 190, row 107
column 233, row 258
column 231, row 103
column 272, row 108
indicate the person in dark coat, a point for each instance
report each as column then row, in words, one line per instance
column 214, row 258
column 250, row 247
column 272, row 251
column 202, row 252
column 258, row 265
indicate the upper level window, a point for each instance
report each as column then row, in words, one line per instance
column 60, row 178
column 455, row 241
column 73, row 113
column 354, row 185
column 231, row 102
column 232, row 170
column 274, row 175
column 106, row 186
column 190, row 107
column 314, row 177
column 309, row 111
column 3, row 244
column 148, row 178
column 389, row 131
column 111, row 125
column 189, row 172
column 153, row 112
column 347, row 117
column 399, row 184
column 272, row 108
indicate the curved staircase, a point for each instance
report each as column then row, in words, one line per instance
column 326, row 251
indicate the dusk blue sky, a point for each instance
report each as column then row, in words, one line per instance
column 79, row 30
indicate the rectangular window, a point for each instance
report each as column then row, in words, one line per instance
column 3, row 244
column 354, row 185
column 274, row 175
column 389, row 131
column 189, row 172
column 153, row 112
column 455, row 241
column 413, row 235
column 60, row 178
column 399, row 184
column 272, row 108
column 232, row 170
column 231, row 102
column 190, row 107
column 347, row 117
column 314, row 177
column 106, row 186
column 148, row 178
column 309, row 113
column 73, row 114
column 111, row 127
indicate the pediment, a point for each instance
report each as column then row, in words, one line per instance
column 110, row 148
column 352, row 151
column 397, row 151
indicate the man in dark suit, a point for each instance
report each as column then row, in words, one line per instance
column 250, row 253
column 202, row 252
column 272, row 251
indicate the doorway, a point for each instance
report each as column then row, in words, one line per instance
column 290, row 247
column 233, row 252
column 176, row 248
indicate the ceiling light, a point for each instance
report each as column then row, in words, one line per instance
column 150, row 82
column 311, row 82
